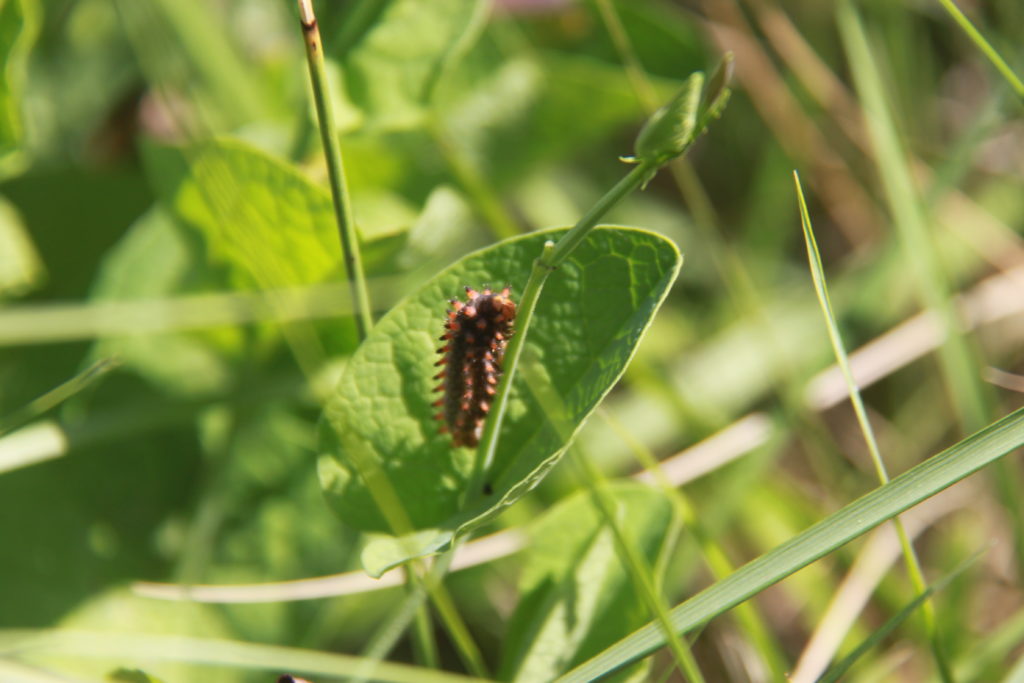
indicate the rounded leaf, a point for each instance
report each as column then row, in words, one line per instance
column 386, row 468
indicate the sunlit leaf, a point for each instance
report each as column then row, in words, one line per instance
column 379, row 424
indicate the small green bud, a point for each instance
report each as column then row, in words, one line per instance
column 716, row 96
column 670, row 130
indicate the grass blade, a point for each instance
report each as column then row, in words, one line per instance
column 909, row 556
column 986, row 48
column 840, row 669
column 865, row 513
column 968, row 395
column 133, row 647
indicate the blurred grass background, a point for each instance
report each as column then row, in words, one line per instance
column 194, row 461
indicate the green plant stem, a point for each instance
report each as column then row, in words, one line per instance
column 453, row 623
column 388, row 633
column 336, row 170
column 636, row 565
column 714, row 555
column 423, row 635
column 640, row 174
column 986, row 48
column 57, row 395
column 550, row 259
column 910, row 558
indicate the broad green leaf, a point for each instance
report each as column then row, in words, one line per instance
column 20, row 266
column 393, row 69
column 862, row 515
column 379, row 424
column 18, row 27
column 157, row 259
column 575, row 596
column 260, row 217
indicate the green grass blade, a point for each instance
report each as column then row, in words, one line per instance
column 925, row 480
column 639, row 571
column 911, row 224
column 840, row 669
column 986, row 48
column 909, row 556
column 960, row 368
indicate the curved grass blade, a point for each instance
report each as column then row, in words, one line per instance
column 865, row 513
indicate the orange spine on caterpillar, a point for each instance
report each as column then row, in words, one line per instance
column 476, row 332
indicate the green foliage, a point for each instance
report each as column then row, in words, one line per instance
column 925, row 480
column 163, row 202
column 267, row 223
column 576, row 598
column 379, row 424
column 394, row 66
column 20, row 267
column 156, row 260
column 18, row 27
column 670, row 130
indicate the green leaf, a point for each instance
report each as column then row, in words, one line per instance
column 379, row 424
column 865, row 513
column 123, row 675
column 269, row 224
column 393, row 70
column 18, row 28
column 157, row 259
column 576, row 598
column 20, row 266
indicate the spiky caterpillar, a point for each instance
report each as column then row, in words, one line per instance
column 476, row 332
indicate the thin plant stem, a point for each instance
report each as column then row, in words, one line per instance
column 453, row 623
column 910, row 558
column 57, row 395
column 550, row 259
column 714, row 555
column 387, row 634
column 634, row 69
column 986, row 48
column 336, row 170
column 637, row 566
column 423, row 635
column 740, row 287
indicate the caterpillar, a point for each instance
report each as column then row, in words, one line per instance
column 476, row 332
